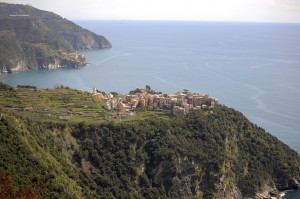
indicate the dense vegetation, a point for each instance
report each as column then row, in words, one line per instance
column 204, row 154
column 31, row 38
column 24, row 40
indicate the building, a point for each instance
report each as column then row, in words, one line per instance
column 179, row 103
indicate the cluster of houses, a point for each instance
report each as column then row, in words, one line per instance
column 179, row 103
column 70, row 56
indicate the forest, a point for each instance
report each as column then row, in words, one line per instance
column 203, row 154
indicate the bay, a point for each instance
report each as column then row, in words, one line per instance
column 252, row 67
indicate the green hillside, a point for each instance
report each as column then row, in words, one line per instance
column 63, row 138
column 31, row 38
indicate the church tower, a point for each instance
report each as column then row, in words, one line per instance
column 94, row 90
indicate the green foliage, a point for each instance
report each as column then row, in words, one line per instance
column 116, row 94
column 10, row 50
column 151, row 155
column 34, row 190
column 59, row 105
column 27, row 86
column 32, row 38
column 136, row 91
column 5, row 87
column 26, row 42
column 119, row 150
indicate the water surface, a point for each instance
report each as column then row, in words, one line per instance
column 252, row 67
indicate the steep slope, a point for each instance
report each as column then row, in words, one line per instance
column 32, row 38
column 78, row 37
column 32, row 151
column 209, row 155
column 203, row 154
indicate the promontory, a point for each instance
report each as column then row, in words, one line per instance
column 66, row 143
column 33, row 39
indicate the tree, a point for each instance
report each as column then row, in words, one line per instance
column 32, row 191
column 148, row 88
column 6, row 190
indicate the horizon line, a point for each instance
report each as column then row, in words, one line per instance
column 178, row 20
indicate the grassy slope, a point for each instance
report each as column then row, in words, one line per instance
column 58, row 105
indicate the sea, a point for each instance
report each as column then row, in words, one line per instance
column 252, row 67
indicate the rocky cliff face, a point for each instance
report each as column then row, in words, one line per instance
column 182, row 178
column 32, row 38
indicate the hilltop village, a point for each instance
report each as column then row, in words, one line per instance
column 179, row 103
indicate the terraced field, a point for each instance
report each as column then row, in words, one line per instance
column 60, row 104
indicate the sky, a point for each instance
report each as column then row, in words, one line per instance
column 194, row 10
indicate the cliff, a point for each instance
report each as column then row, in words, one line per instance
column 31, row 38
column 66, row 140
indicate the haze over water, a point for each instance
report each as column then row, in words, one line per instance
column 251, row 67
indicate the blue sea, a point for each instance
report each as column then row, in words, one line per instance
column 292, row 195
column 252, row 67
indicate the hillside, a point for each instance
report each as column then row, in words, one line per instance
column 32, row 38
column 63, row 138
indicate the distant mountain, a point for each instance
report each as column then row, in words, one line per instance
column 65, row 140
column 31, row 38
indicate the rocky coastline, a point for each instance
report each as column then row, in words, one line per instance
column 35, row 39
column 276, row 192
column 65, row 60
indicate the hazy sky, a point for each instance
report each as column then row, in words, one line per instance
column 211, row 10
